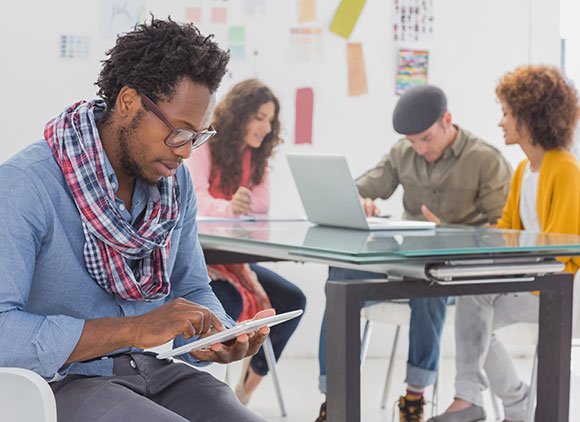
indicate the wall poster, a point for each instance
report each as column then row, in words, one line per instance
column 411, row 69
column 412, row 20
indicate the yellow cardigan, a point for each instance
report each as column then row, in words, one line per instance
column 558, row 202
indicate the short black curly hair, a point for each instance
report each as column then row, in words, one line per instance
column 156, row 56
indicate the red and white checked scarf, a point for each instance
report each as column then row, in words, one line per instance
column 110, row 240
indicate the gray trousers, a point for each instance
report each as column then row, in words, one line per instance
column 478, row 350
column 144, row 388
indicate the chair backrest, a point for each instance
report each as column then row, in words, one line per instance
column 518, row 334
column 25, row 396
column 525, row 333
column 392, row 313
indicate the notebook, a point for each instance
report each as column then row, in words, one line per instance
column 330, row 197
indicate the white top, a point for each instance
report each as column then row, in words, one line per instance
column 528, row 200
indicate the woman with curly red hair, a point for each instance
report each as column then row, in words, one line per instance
column 230, row 176
column 540, row 111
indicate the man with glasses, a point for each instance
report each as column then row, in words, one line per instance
column 445, row 171
column 99, row 247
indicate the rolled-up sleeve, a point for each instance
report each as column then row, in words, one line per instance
column 41, row 343
column 379, row 182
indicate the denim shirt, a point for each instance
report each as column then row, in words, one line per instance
column 46, row 293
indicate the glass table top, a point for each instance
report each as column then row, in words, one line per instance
column 304, row 238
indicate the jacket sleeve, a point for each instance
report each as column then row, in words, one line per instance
column 564, row 211
column 199, row 165
column 494, row 182
column 510, row 215
column 261, row 195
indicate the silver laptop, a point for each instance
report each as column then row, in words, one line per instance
column 330, row 197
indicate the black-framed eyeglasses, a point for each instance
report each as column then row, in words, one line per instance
column 178, row 136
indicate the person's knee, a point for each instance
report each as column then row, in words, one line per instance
column 293, row 298
column 236, row 308
column 229, row 296
column 476, row 301
column 299, row 300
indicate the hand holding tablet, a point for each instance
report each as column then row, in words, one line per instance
column 231, row 333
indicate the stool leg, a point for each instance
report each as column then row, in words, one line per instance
column 496, row 407
column 435, row 397
column 227, row 375
column 271, row 360
column 390, row 369
column 533, row 388
column 366, row 339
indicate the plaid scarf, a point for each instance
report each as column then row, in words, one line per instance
column 110, row 240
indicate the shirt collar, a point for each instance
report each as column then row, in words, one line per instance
column 143, row 192
column 110, row 173
column 459, row 142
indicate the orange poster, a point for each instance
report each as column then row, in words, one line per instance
column 357, row 78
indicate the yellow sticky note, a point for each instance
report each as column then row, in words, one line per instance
column 345, row 17
column 357, row 78
column 307, row 11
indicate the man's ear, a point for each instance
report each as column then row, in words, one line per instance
column 128, row 103
column 447, row 119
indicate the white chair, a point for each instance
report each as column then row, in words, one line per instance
column 25, row 396
column 519, row 334
column 527, row 334
column 397, row 314
column 271, row 360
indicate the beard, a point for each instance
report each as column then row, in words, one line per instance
column 126, row 153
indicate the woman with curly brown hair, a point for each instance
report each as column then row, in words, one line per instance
column 540, row 111
column 230, row 176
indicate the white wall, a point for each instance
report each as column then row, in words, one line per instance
column 474, row 43
column 570, row 32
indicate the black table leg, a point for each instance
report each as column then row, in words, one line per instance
column 554, row 354
column 343, row 350
column 344, row 300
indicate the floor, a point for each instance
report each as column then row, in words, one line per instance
column 300, row 390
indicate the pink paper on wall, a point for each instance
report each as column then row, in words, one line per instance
column 304, row 111
column 219, row 15
column 193, row 14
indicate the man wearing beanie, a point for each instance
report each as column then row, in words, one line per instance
column 446, row 172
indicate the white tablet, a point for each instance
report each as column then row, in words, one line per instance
column 230, row 333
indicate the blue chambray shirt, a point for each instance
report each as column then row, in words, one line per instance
column 46, row 293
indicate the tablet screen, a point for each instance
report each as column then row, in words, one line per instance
column 230, row 333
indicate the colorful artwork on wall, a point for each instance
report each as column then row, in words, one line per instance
column 411, row 69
